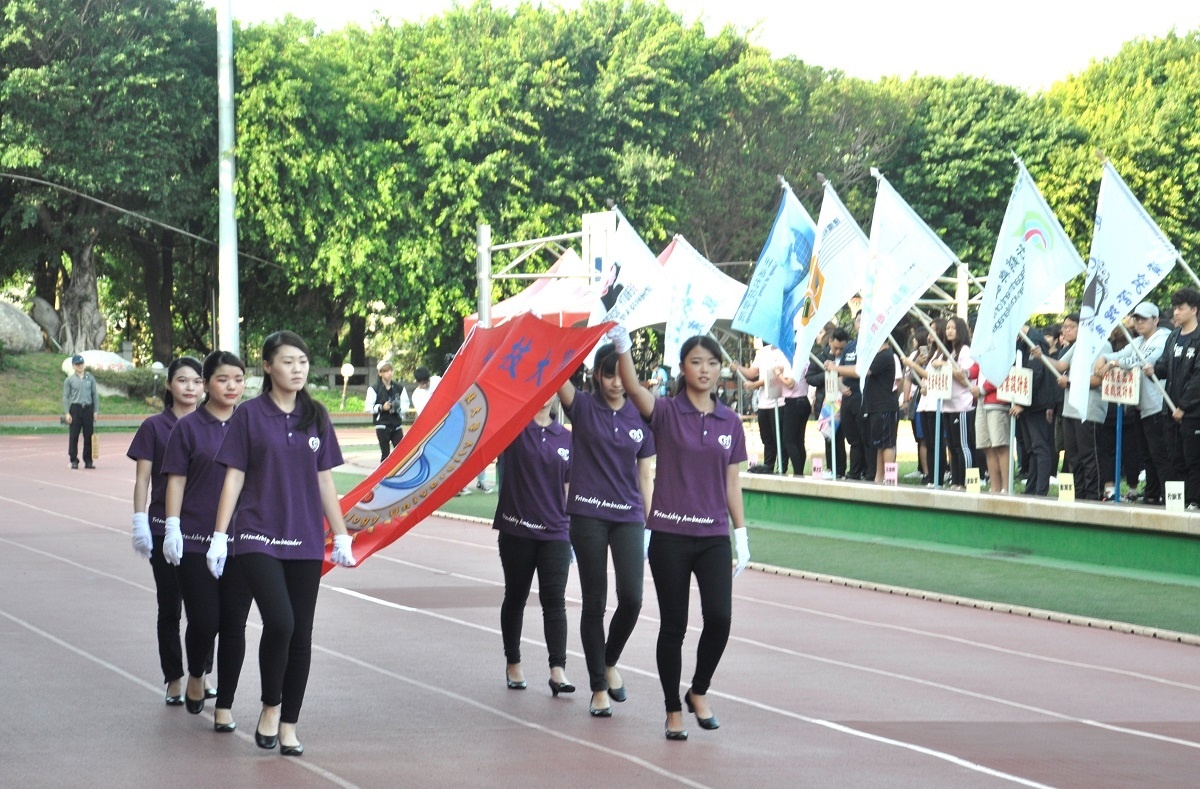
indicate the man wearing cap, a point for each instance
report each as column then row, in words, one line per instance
column 1150, row 431
column 80, row 403
column 388, row 403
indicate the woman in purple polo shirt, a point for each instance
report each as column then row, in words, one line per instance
column 697, row 493
column 193, row 488
column 149, row 515
column 278, row 451
column 610, row 488
column 532, row 521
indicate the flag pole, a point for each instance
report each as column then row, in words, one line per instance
column 1021, row 333
column 1179, row 259
column 1138, row 352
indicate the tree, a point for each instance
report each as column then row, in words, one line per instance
column 107, row 98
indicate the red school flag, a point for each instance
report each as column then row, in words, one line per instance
column 496, row 383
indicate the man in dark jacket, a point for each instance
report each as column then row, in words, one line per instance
column 1036, row 420
column 835, row 351
column 1178, row 367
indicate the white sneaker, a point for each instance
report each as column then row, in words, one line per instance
column 486, row 488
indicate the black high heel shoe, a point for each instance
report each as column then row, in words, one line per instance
column 224, row 728
column 266, row 742
column 174, row 701
column 515, row 684
column 210, row 693
column 561, row 687
column 291, row 750
column 673, row 735
column 194, row 706
column 709, row 723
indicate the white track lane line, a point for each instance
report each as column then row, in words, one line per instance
column 751, row 642
column 356, row 661
column 971, row 643
column 120, row 672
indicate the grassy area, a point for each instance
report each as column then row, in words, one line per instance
column 1003, row 579
column 31, row 384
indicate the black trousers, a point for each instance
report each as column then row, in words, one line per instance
column 170, row 609
column 674, row 559
column 766, row 431
column 959, row 429
column 1151, row 435
column 521, row 557
column 1040, row 456
column 852, row 430
column 795, row 413
column 592, row 540
column 1184, row 438
column 935, row 443
column 286, row 595
column 83, row 421
column 389, row 438
column 1080, row 440
column 215, row 606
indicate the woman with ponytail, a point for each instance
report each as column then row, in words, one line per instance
column 149, row 515
column 193, row 488
column 697, row 496
column 279, row 452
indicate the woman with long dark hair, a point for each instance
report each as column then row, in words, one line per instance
column 958, row 412
column 534, row 537
column 194, row 481
column 279, row 452
column 697, row 495
column 610, row 488
column 149, row 515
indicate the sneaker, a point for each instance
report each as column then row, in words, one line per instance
column 1193, row 507
column 913, row 475
column 89, row 465
column 1152, row 501
column 464, row 492
column 486, row 488
column 74, row 464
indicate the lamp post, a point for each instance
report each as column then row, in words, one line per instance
column 346, row 371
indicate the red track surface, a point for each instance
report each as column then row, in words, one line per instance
column 820, row 686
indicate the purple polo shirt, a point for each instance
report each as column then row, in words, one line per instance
column 608, row 445
column 279, row 512
column 191, row 452
column 150, row 443
column 536, row 466
column 694, row 452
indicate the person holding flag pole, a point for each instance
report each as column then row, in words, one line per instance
column 697, row 498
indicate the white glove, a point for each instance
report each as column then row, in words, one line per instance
column 619, row 337
column 173, row 542
column 218, row 550
column 741, row 543
column 646, row 544
column 342, row 553
column 142, row 544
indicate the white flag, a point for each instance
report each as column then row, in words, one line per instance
column 907, row 257
column 1130, row 255
column 838, row 271
column 1033, row 257
column 700, row 294
column 631, row 290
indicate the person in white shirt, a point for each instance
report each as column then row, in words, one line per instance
column 1150, row 432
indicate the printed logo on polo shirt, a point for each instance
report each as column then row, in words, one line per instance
column 725, row 441
column 314, row 443
column 636, row 434
column 564, row 453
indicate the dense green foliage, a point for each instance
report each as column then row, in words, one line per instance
column 367, row 158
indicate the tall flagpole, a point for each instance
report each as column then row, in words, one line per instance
column 227, row 317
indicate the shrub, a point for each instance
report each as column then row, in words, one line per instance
column 2, row 352
column 140, row 383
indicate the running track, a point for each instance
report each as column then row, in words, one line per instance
column 821, row 685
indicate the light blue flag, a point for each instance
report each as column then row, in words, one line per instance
column 776, row 291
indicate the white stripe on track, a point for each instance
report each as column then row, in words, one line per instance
column 968, row 642
column 837, row 727
column 83, row 653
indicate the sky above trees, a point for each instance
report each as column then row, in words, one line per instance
column 1029, row 44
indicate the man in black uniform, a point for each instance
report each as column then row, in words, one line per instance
column 388, row 402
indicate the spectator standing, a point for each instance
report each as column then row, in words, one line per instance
column 1150, row 429
column 1178, row 365
column 80, row 405
column 387, row 402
